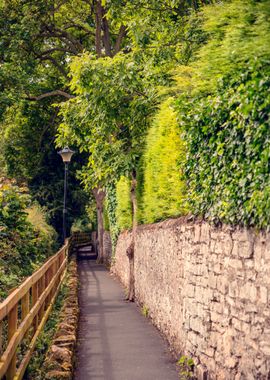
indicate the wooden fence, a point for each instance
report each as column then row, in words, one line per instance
column 81, row 238
column 24, row 313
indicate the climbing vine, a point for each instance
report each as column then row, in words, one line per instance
column 228, row 138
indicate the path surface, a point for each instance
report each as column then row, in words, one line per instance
column 115, row 341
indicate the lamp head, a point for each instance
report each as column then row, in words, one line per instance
column 66, row 154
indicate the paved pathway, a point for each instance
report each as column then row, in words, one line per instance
column 115, row 341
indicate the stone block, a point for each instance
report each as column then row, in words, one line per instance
column 219, row 247
column 217, row 268
column 250, row 275
column 236, row 324
column 233, row 289
column 256, row 332
column 197, row 233
column 212, row 280
column 209, row 351
column 212, row 246
column 241, row 234
column 204, row 250
column 215, row 317
column 230, row 362
column 249, row 263
column 197, row 325
column 245, row 328
column 230, row 301
column 265, row 348
column 252, row 344
column 192, row 338
column 263, row 294
column 248, row 291
column 190, row 290
column 201, row 372
column 222, row 285
column 235, row 263
column 241, row 314
column 251, row 308
column 234, row 251
column 246, row 249
column 266, row 253
column 205, row 232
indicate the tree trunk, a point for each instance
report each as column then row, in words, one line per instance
column 98, row 16
column 121, row 35
column 131, row 249
column 106, row 34
column 99, row 195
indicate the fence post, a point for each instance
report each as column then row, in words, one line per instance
column 34, row 300
column 40, row 291
column 12, row 327
column 1, row 337
column 25, row 305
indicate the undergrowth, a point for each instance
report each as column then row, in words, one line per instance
column 35, row 368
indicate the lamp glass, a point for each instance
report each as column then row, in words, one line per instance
column 66, row 154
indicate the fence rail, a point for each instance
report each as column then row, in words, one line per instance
column 24, row 313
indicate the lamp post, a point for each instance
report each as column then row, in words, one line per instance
column 66, row 155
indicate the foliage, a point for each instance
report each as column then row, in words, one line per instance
column 161, row 185
column 161, row 188
column 237, row 31
column 186, row 368
column 227, row 134
column 37, row 216
column 120, row 75
column 109, row 116
column 106, row 219
column 23, row 245
column 37, row 41
column 35, row 369
column 110, row 206
column 123, row 206
column 219, row 42
column 145, row 311
column 82, row 224
column 29, row 155
column 222, row 38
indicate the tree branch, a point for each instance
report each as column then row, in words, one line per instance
column 51, row 93
column 56, row 49
column 55, row 63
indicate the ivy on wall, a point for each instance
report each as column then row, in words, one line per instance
column 228, row 148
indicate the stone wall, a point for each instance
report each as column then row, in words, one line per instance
column 207, row 289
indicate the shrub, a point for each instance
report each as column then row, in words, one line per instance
column 23, row 245
column 123, row 206
column 161, row 185
column 82, row 224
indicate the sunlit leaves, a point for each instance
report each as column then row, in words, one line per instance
column 109, row 116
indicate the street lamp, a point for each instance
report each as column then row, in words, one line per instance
column 66, row 155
